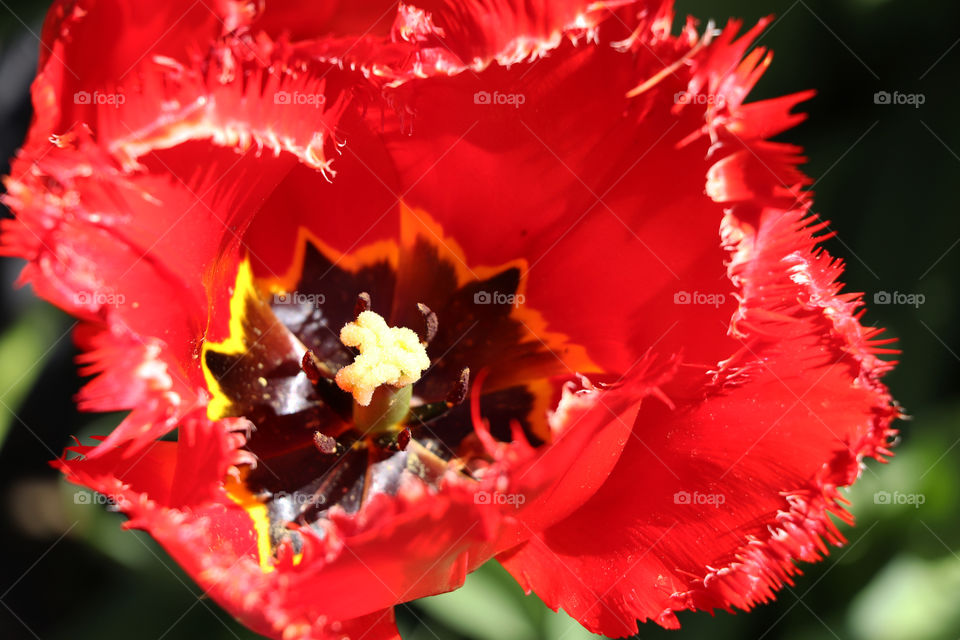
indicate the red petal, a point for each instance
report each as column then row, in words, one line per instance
column 135, row 254
column 722, row 489
column 591, row 428
column 789, row 421
column 134, row 236
column 175, row 491
column 72, row 61
column 508, row 30
column 615, row 208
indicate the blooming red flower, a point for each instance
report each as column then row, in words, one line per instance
column 591, row 333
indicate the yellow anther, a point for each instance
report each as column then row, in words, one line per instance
column 388, row 355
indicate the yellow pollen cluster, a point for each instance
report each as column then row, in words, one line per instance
column 388, row 355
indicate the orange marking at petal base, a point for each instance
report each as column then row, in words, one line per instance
column 354, row 261
column 418, row 224
column 543, row 393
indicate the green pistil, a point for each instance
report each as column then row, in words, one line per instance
column 387, row 410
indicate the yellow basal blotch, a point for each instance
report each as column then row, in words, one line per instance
column 259, row 516
column 244, row 292
column 388, row 356
column 257, row 510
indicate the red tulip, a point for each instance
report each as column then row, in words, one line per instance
column 420, row 286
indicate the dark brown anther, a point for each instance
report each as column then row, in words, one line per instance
column 324, row 443
column 311, row 366
column 363, row 303
column 432, row 323
column 394, row 440
column 403, row 439
column 459, row 390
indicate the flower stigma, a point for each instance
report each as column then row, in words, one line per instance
column 381, row 376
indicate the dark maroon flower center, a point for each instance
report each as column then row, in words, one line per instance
column 311, row 454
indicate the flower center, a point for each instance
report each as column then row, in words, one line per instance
column 343, row 403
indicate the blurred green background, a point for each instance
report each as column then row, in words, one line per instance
column 886, row 176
